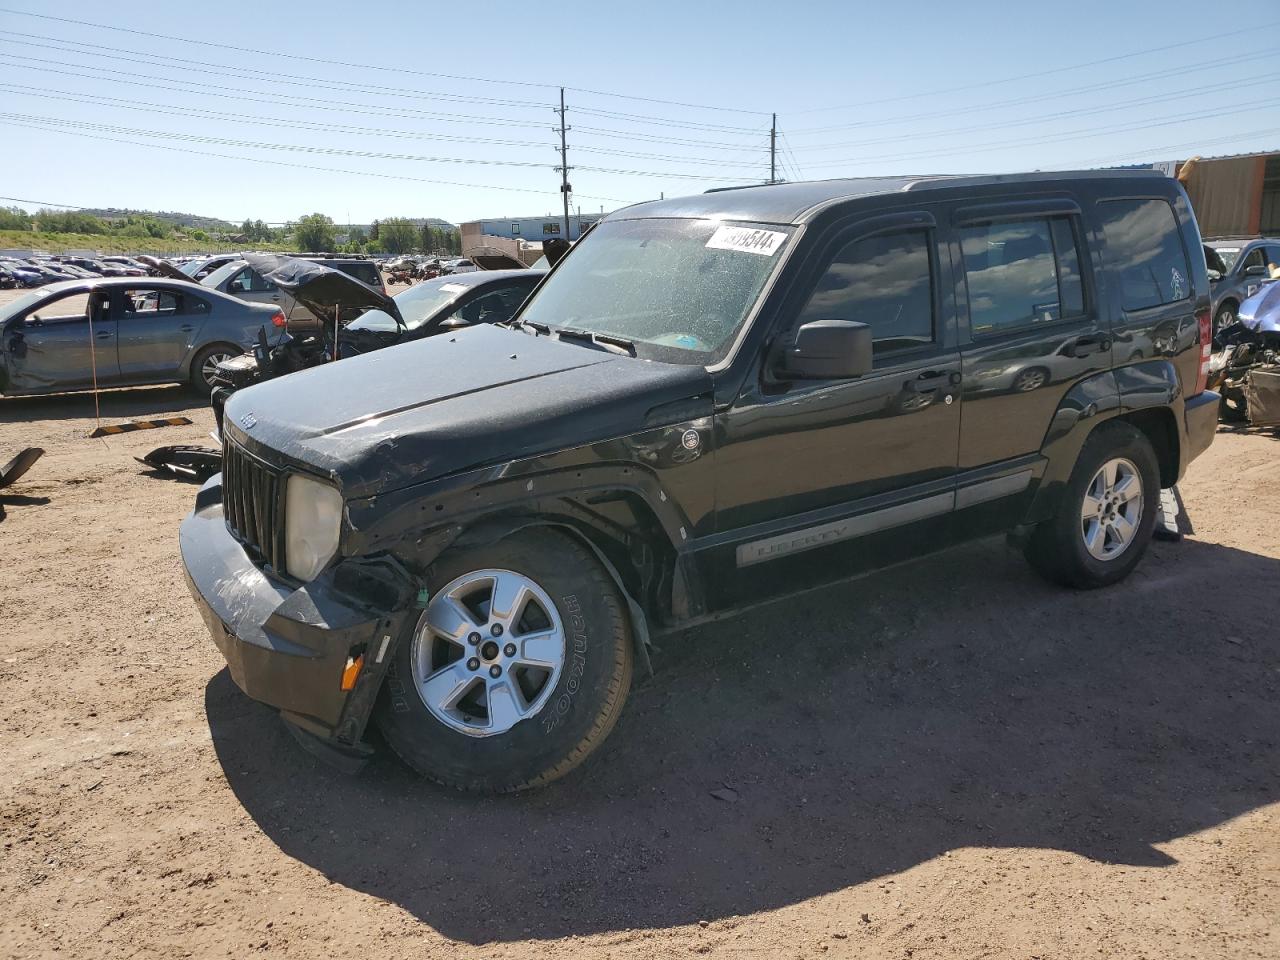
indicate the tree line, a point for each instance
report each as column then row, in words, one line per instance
column 315, row 233
column 319, row 234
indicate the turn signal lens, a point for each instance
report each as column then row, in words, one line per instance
column 277, row 319
column 1205, row 322
column 351, row 672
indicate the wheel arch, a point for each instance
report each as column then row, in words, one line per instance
column 1147, row 395
column 189, row 363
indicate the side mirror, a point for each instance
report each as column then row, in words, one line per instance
column 828, row 350
column 1214, row 275
column 1255, row 270
column 235, row 286
column 454, row 323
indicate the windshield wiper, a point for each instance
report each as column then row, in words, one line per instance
column 537, row 328
column 605, row 341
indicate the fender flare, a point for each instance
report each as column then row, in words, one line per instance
column 1148, row 385
column 491, row 531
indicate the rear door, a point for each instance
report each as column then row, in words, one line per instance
column 157, row 328
column 1153, row 300
column 1031, row 327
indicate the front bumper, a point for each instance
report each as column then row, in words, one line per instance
column 1200, row 419
column 287, row 645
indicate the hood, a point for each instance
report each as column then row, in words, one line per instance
column 162, row 267
column 425, row 409
column 491, row 258
column 319, row 288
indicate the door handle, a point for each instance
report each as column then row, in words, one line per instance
column 186, row 328
column 276, row 299
column 105, row 335
column 1087, row 345
column 929, row 382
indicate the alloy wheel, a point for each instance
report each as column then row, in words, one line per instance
column 1112, row 509
column 487, row 652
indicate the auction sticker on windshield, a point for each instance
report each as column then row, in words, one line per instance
column 746, row 239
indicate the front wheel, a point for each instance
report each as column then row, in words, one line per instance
column 1107, row 514
column 516, row 670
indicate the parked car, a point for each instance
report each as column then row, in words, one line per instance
column 22, row 273
column 424, row 310
column 200, row 268
column 236, row 278
column 1237, row 267
column 48, row 270
column 130, row 266
column 709, row 402
column 137, row 331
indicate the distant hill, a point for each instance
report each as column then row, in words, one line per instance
column 168, row 216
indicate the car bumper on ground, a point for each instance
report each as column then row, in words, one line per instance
column 1200, row 416
column 287, row 645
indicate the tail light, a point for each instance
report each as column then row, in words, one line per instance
column 1205, row 323
column 277, row 319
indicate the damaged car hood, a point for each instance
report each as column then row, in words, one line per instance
column 164, row 268
column 485, row 395
column 319, row 288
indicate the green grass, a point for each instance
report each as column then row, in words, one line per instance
column 104, row 243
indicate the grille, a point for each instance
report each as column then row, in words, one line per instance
column 253, row 502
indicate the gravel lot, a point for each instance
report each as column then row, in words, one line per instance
column 948, row 760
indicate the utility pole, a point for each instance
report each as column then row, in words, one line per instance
column 565, row 186
column 773, row 150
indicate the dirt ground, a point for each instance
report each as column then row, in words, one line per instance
column 948, row 760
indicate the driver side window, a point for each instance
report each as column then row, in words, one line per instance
column 884, row 281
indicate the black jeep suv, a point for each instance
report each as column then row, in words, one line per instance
column 709, row 402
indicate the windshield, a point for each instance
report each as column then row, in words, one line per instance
column 191, row 266
column 16, row 306
column 1229, row 256
column 417, row 305
column 680, row 289
column 222, row 273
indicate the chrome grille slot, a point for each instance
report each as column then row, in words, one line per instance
column 253, row 502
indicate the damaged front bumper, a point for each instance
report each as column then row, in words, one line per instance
column 288, row 645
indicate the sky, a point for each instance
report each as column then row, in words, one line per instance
column 360, row 111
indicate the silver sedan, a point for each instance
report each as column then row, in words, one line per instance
column 131, row 331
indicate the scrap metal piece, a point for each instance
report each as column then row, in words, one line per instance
column 19, row 465
column 185, row 462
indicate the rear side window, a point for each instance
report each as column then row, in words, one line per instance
column 1145, row 251
column 1020, row 274
column 884, row 281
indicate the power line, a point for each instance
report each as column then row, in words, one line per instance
column 1254, row 29
column 321, row 83
column 303, row 166
column 204, row 42
column 55, row 123
column 198, row 113
column 1180, row 95
column 1056, row 138
column 222, row 90
column 1038, row 98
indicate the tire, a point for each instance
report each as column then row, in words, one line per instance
column 1225, row 316
column 200, row 365
column 1057, row 548
column 453, row 723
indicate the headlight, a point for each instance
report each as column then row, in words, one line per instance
column 312, row 522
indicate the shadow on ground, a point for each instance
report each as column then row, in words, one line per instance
column 114, row 405
column 865, row 728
